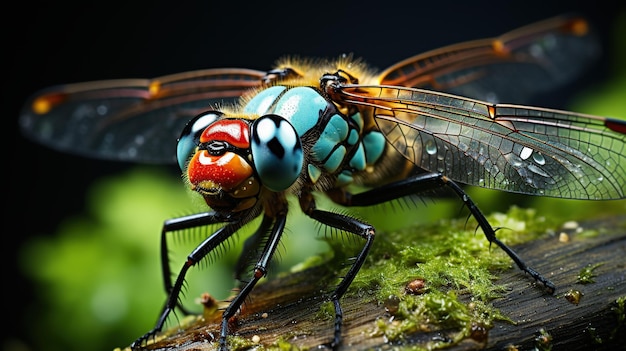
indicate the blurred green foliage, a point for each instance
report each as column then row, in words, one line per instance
column 99, row 281
column 98, row 278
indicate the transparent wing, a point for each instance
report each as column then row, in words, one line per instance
column 514, row 148
column 513, row 67
column 129, row 119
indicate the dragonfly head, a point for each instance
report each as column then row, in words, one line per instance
column 229, row 160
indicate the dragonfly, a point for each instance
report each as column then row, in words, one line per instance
column 246, row 140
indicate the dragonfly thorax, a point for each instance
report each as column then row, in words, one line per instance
column 336, row 146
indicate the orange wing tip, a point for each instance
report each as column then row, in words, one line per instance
column 154, row 88
column 577, row 26
column 492, row 111
column 43, row 104
column 499, row 48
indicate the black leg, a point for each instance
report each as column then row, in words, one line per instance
column 250, row 246
column 260, row 270
column 210, row 243
column 428, row 181
column 351, row 225
column 173, row 225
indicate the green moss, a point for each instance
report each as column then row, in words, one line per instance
column 586, row 274
column 453, row 266
column 449, row 254
column 619, row 308
column 326, row 311
column 236, row 343
column 239, row 343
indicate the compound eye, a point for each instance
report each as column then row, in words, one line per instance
column 190, row 137
column 276, row 151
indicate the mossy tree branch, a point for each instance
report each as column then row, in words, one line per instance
column 290, row 312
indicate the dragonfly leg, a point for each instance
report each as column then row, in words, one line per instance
column 173, row 290
column 250, row 246
column 171, row 226
column 351, row 225
column 260, row 270
column 428, row 181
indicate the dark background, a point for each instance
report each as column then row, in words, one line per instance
column 49, row 43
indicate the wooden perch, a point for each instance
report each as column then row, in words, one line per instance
column 288, row 312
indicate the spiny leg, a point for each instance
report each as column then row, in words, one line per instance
column 250, row 246
column 429, row 181
column 260, row 270
column 194, row 257
column 351, row 225
column 172, row 226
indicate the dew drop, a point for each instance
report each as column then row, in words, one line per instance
column 526, row 152
column 539, row 158
column 431, row 148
